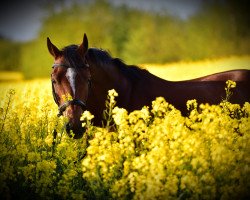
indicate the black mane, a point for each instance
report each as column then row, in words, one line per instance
column 103, row 58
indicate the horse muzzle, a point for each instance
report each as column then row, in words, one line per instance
column 74, row 126
column 75, row 131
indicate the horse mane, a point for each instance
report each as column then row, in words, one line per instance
column 104, row 59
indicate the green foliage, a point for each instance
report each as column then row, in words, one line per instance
column 36, row 60
column 140, row 37
column 9, row 56
column 220, row 29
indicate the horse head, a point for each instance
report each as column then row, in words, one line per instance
column 70, row 79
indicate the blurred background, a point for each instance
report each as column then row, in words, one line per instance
column 137, row 31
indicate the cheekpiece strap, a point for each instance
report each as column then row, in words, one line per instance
column 59, row 65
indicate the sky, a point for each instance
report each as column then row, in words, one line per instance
column 21, row 20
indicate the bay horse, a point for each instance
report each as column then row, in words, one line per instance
column 86, row 74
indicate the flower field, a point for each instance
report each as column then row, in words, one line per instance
column 153, row 153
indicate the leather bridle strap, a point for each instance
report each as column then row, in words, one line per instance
column 59, row 65
column 77, row 102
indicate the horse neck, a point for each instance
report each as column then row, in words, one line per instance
column 145, row 90
column 103, row 80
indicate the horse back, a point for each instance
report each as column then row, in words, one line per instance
column 211, row 92
column 209, row 89
column 234, row 75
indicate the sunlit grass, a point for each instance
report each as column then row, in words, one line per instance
column 22, row 85
column 188, row 70
column 10, row 76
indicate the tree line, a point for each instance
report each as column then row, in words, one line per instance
column 219, row 29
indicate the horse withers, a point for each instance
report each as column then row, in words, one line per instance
column 81, row 78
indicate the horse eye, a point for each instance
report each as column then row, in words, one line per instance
column 53, row 81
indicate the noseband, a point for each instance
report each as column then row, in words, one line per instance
column 76, row 102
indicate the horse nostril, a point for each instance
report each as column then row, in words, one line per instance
column 68, row 127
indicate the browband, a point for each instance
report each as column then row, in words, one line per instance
column 65, row 65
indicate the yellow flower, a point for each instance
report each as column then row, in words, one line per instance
column 49, row 140
column 192, row 104
column 112, row 93
column 87, row 116
column 119, row 116
column 230, row 84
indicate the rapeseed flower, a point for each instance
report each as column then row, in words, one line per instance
column 152, row 153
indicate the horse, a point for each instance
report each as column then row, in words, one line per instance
column 87, row 74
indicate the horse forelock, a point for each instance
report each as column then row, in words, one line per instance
column 72, row 58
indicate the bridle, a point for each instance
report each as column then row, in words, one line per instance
column 77, row 102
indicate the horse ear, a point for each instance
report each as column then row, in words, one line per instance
column 83, row 48
column 54, row 51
